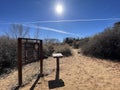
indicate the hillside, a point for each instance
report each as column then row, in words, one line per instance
column 78, row 73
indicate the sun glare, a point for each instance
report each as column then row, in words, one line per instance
column 59, row 9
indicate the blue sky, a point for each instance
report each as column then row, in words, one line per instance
column 86, row 11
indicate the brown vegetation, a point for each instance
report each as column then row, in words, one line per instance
column 105, row 44
column 57, row 48
column 102, row 45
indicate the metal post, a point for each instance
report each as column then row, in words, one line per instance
column 19, row 61
column 41, row 58
column 57, row 69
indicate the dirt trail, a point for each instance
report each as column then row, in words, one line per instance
column 79, row 73
column 95, row 74
column 84, row 73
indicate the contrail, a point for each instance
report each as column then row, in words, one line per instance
column 61, row 21
column 50, row 29
column 75, row 20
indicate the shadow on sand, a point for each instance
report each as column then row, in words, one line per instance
column 36, row 81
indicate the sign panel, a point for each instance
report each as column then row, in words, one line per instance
column 29, row 50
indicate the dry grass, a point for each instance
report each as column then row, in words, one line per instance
column 11, row 80
column 78, row 73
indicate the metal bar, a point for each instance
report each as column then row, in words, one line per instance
column 41, row 58
column 19, row 61
column 57, row 69
column 30, row 39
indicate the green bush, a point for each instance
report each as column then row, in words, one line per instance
column 105, row 44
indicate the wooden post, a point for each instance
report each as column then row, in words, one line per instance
column 41, row 58
column 19, row 61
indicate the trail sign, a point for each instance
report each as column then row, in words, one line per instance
column 29, row 50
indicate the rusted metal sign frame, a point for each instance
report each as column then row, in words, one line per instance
column 20, row 57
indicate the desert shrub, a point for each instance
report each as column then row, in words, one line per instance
column 64, row 49
column 54, row 46
column 69, row 41
column 8, row 52
column 48, row 49
column 76, row 42
column 83, row 41
column 105, row 44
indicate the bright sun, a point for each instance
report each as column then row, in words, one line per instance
column 59, row 9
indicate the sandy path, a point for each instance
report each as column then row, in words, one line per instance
column 94, row 74
column 78, row 73
column 83, row 73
